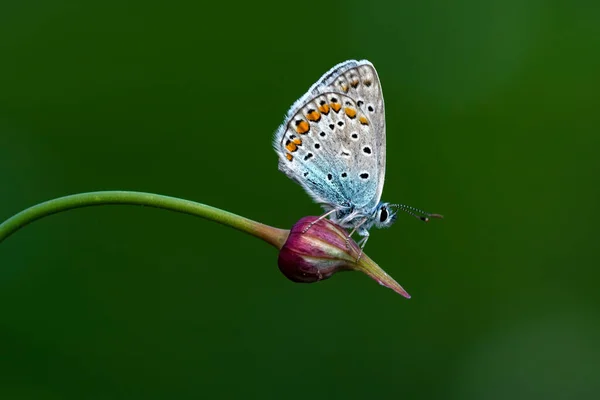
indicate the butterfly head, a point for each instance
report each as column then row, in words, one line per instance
column 385, row 216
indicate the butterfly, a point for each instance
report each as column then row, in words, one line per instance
column 332, row 143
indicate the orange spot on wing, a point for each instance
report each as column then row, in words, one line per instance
column 297, row 141
column 291, row 146
column 302, row 127
column 313, row 116
column 336, row 106
column 354, row 83
column 344, row 87
column 289, row 157
column 324, row 109
column 350, row 112
column 363, row 120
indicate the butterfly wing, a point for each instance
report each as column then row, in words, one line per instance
column 333, row 139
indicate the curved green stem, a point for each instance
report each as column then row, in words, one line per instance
column 273, row 236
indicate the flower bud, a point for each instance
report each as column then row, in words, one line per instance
column 323, row 250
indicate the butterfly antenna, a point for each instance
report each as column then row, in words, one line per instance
column 425, row 216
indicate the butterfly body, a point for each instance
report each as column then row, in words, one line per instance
column 332, row 143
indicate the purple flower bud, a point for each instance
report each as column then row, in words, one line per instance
column 324, row 250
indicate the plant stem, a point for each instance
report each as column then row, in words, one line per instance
column 273, row 236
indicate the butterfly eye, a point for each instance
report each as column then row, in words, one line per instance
column 383, row 215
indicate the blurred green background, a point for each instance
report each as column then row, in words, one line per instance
column 492, row 115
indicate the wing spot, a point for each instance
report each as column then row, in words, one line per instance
column 344, row 86
column 344, row 174
column 317, row 146
column 335, row 105
column 340, row 123
column 313, row 115
column 306, row 174
column 354, row 136
column 363, row 120
column 297, row 141
column 329, row 176
column 370, row 108
column 291, row 146
column 323, row 107
column 368, row 82
column 345, row 153
column 360, row 103
column 331, row 126
column 354, row 83
column 367, row 150
column 302, row 126
column 323, row 134
column 364, row 175
column 289, row 157
column 306, row 157
column 350, row 112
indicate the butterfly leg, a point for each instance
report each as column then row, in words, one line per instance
column 354, row 230
column 319, row 219
column 362, row 242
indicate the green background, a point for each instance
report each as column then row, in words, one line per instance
column 492, row 116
